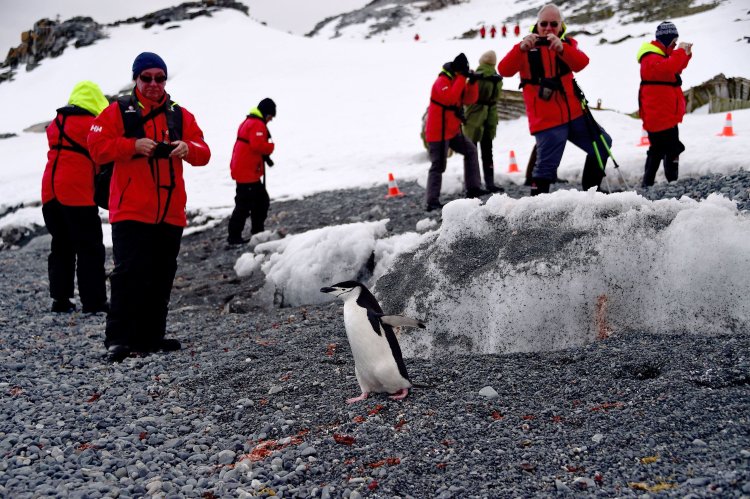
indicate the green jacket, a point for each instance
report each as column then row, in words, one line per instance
column 481, row 118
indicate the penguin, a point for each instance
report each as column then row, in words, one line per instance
column 378, row 363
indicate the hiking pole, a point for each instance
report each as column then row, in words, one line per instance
column 587, row 112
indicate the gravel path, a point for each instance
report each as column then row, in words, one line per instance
column 253, row 405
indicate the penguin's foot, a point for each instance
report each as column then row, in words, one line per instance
column 357, row 399
column 400, row 395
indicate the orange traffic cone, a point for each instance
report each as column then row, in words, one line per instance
column 644, row 138
column 513, row 167
column 393, row 191
column 728, row 129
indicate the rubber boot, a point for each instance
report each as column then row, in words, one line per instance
column 649, row 169
column 671, row 168
column 489, row 179
column 539, row 186
column 592, row 173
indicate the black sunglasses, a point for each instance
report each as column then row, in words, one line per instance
column 157, row 79
column 544, row 24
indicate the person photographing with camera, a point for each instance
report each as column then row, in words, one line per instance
column 148, row 137
column 661, row 103
column 546, row 60
column 454, row 88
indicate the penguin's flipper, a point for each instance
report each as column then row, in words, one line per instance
column 400, row 320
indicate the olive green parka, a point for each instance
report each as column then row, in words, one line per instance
column 481, row 118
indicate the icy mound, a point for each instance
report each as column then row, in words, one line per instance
column 559, row 270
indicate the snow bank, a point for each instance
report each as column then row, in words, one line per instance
column 560, row 270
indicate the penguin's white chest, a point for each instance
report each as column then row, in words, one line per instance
column 374, row 363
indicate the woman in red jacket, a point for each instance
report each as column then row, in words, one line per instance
column 148, row 137
column 661, row 101
column 70, row 214
column 251, row 152
column 546, row 60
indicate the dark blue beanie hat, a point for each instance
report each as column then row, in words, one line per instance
column 666, row 32
column 267, row 107
column 148, row 60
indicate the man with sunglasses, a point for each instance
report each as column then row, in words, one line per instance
column 148, row 137
column 546, row 60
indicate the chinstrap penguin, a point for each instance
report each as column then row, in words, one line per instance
column 378, row 364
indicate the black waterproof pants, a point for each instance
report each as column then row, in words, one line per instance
column 250, row 200
column 145, row 258
column 76, row 249
column 438, row 162
column 665, row 146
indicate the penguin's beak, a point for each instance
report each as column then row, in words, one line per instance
column 327, row 290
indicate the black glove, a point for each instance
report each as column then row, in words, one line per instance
column 461, row 64
column 474, row 76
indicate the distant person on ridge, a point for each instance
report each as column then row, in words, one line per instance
column 70, row 214
column 481, row 117
column 148, row 137
column 482, row 31
column 517, row 29
column 451, row 91
column 504, row 31
column 661, row 102
column 546, row 60
column 249, row 157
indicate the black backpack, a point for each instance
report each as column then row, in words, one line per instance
column 101, row 185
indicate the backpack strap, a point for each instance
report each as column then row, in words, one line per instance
column 133, row 120
column 536, row 67
column 72, row 146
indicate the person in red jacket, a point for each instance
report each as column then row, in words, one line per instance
column 546, row 60
column 70, row 214
column 661, row 101
column 482, row 31
column 450, row 92
column 493, row 31
column 251, row 153
column 148, row 137
column 517, row 29
column 504, row 31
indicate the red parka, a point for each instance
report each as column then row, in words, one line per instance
column 563, row 106
column 451, row 90
column 69, row 174
column 139, row 184
column 252, row 144
column 661, row 106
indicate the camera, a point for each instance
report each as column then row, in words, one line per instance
column 548, row 86
column 541, row 42
column 163, row 149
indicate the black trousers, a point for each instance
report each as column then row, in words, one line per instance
column 145, row 258
column 488, row 166
column 76, row 249
column 665, row 146
column 250, row 200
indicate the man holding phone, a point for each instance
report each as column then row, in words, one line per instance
column 148, row 137
column 546, row 60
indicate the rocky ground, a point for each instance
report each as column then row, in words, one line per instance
column 254, row 403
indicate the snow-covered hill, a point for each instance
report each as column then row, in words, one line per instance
column 350, row 109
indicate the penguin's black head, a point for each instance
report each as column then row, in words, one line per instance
column 342, row 289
